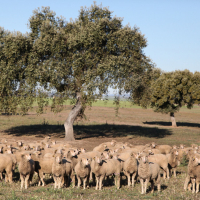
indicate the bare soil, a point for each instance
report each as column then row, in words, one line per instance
column 133, row 125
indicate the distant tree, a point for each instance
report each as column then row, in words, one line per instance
column 80, row 59
column 173, row 90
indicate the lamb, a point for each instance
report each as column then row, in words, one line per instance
column 26, row 169
column 130, row 169
column 164, row 149
column 148, row 172
column 173, row 160
column 7, row 164
column 58, row 171
column 82, row 170
column 193, row 173
column 162, row 161
column 103, row 168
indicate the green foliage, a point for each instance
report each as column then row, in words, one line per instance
column 14, row 52
column 85, row 56
column 175, row 89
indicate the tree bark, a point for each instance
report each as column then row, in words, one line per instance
column 173, row 119
column 69, row 131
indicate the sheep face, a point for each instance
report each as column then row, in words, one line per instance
column 98, row 160
column 144, row 159
column 28, row 156
column 196, row 160
column 9, row 151
column 105, row 155
column 26, row 147
column 82, row 150
column 58, row 158
column 85, row 161
column 153, row 144
column 53, row 142
column 113, row 142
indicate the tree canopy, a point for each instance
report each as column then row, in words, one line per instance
column 173, row 90
column 79, row 59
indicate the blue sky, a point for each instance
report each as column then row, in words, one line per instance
column 172, row 27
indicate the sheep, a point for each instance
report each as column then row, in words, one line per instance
column 43, row 166
column 82, row 170
column 148, row 172
column 193, row 172
column 164, row 149
column 162, row 161
column 26, row 169
column 100, row 148
column 58, row 170
column 173, row 160
column 102, row 168
column 7, row 164
column 71, row 155
column 68, row 166
column 130, row 169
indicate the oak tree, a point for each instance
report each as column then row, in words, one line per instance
column 172, row 90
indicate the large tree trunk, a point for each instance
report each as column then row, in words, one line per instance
column 69, row 131
column 173, row 119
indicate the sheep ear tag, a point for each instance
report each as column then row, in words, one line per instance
column 94, row 158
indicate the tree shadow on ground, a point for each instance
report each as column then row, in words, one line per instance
column 89, row 131
column 169, row 124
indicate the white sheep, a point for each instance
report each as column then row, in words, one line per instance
column 148, row 172
column 82, row 170
column 103, row 168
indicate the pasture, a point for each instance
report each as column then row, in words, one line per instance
column 133, row 124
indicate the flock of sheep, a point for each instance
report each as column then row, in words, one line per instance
column 107, row 160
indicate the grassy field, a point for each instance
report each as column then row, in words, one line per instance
column 133, row 124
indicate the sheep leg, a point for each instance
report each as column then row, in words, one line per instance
column 193, row 185
column 167, row 170
column 88, row 180
column 55, row 182
column 10, row 174
column 100, row 182
column 142, row 185
column 133, row 179
column 41, row 174
column 152, row 186
column 189, row 186
column 59, row 182
column 79, row 181
column 22, row 181
column 145, row 186
column 73, row 178
column 197, row 186
column 1, row 175
column 186, row 182
column 26, row 180
column 84, row 182
column 174, row 172
column 117, row 177
column 129, row 179
column 97, row 182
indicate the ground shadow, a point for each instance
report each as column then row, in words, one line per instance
column 169, row 124
column 89, row 131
